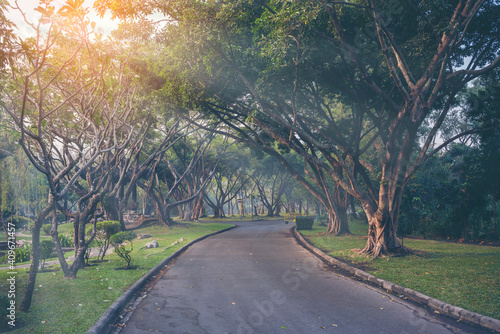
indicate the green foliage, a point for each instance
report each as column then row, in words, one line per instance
column 4, row 304
column 104, row 231
column 448, row 198
column 22, row 222
column 122, row 237
column 118, row 240
column 304, row 222
column 23, row 253
column 46, row 250
column 65, row 240
column 46, row 228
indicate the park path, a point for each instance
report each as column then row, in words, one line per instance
column 257, row 279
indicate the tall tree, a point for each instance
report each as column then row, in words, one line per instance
column 170, row 171
column 229, row 179
column 271, row 180
column 72, row 106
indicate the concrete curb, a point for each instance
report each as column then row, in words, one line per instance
column 433, row 303
column 110, row 315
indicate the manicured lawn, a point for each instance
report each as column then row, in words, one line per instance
column 72, row 306
column 464, row 275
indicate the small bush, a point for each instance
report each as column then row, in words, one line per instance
column 118, row 241
column 104, row 231
column 46, row 228
column 4, row 311
column 46, row 250
column 22, row 222
column 65, row 240
column 23, row 253
column 304, row 222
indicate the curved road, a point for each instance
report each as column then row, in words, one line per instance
column 257, row 279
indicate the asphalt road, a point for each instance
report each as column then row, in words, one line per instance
column 257, row 279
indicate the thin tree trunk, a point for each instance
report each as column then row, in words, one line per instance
column 353, row 207
column 55, row 238
column 35, row 256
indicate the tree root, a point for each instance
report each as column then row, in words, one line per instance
column 376, row 252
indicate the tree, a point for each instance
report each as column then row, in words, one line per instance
column 119, row 241
column 169, row 171
column 229, row 178
column 271, row 181
column 398, row 63
column 483, row 104
column 72, row 106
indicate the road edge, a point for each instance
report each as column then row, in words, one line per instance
column 111, row 314
column 415, row 296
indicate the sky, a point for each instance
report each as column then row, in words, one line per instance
column 28, row 7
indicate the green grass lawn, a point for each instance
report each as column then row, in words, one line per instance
column 72, row 306
column 464, row 275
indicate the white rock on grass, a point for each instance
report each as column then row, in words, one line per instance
column 152, row 244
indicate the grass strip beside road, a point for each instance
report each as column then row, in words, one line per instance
column 463, row 275
column 72, row 306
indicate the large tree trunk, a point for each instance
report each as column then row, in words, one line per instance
column 381, row 234
column 219, row 210
column 188, row 212
column 338, row 223
column 382, row 229
column 159, row 209
column 198, row 208
column 336, row 207
column 270, row 212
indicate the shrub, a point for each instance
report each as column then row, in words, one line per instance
column 89, row 250
column 4, row 311
column 23, row 253
column 46, row 228
column 118, row 240
column 304, row 222
column 104, row 231
column 65, row 240
column 46, row 250
column 21, row 222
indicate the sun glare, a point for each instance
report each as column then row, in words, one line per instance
column 28, row 8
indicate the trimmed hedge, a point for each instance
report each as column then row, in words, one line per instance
column 304, row 222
